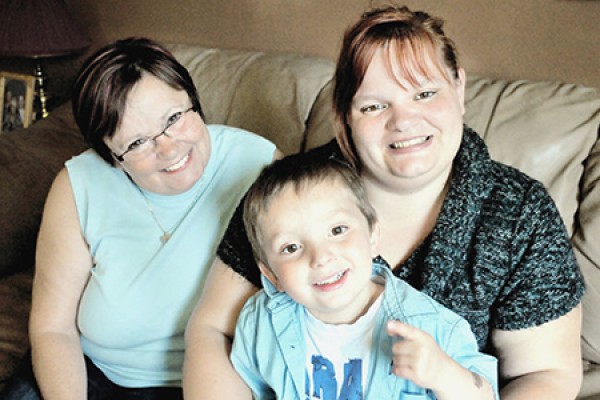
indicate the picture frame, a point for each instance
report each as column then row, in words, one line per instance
column 16, row 100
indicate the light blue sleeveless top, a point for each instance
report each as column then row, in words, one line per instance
column 134, row 309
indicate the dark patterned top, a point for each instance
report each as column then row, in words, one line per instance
column 499, row 254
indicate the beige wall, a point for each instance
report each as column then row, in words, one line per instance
column 514, row 39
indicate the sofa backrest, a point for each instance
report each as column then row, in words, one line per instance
column 545, row 129
column 266, row 93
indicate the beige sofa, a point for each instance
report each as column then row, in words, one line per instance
column 547, row 129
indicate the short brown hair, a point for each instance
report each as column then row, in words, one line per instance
column 414, row 38
column 107, row 77
column 299, row 171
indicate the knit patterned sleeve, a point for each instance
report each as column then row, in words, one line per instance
column 545, row 281
column 235, row 249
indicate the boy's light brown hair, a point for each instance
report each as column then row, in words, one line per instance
column 298, row 172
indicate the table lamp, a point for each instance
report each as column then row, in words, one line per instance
column 38, row 29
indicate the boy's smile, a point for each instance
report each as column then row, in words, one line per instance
column 319, row 249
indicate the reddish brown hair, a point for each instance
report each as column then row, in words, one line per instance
column 416, row 46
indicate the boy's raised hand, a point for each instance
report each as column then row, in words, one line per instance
column 418, row 358
column 416, row 355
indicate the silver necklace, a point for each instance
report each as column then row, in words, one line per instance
column 167, row 233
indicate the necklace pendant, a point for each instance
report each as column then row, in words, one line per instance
column 165, row 237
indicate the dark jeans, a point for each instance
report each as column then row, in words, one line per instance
column 23, row 386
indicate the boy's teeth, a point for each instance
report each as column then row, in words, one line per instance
column 333, row 279
column 410, row 142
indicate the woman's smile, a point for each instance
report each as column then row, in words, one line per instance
column 409, row 143
column 180, row 164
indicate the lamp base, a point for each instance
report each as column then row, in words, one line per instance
column 41, row 97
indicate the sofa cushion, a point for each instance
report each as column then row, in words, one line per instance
column 545, row 129
column 591, row 382
column 29, row 160
column 320, row 124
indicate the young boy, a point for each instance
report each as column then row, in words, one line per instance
column 331, row 324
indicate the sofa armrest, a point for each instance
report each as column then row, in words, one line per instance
column 587, row 249
column 29, row 160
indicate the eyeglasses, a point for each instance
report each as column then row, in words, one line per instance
column 142, row 147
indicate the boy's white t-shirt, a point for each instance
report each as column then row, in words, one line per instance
column 337, row 356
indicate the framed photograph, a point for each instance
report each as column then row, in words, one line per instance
column 16, row 100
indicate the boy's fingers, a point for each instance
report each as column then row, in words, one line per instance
column 397, row 328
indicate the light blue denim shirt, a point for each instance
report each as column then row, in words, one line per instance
column 269, row 346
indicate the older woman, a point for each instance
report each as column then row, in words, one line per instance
column 480, row 237
column 130, row 228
